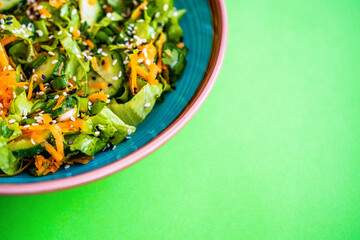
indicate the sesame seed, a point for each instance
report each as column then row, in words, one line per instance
column 120, row 74
column 104, row 54
column 99, row 50
column 54, row 62
column 40, row 7
column 71, row 29
column 56, row 97
column 157, row 14
column 52, row 54
column 147, row 105
column 140, row 60
column 35, row 124
column 147, row 61
column 40, row 33
column 97, row 133
column 166, row 7
column 114, row 62
column 129, row 131
column 26, row 126
column 72, row 118
column 33, row 142
column 115, row 78
column 64, row 93
column 12, row 121
column 74, row 11
column 108, row 15
column 66, row 166
column 59, row 33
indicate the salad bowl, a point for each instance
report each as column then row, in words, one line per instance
column 205, row 35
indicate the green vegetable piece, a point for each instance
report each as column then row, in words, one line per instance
column 86, row 144
column 20, row 105
column 135, row 111
column 59, row 83
column 97, row 106
column 83, row 105
column 8, row 162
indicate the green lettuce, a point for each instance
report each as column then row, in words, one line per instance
column 107, row 126
column 135, row 111
column 8, row 163
column 20, row 105
column 85, row 143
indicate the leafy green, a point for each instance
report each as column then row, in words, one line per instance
column 20, row 32
column 174, row 57
column 20, row 105
column 86, row 143
column 135, row 111
column 8, row 163
column 174, row 31
column 112, row 17
column 107, row 126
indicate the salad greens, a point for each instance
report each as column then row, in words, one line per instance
column 77, row 77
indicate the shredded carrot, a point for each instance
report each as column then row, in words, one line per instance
column 12, row 63
column 160, row 44
column 45, row 12
column 46, row 118
column 94, row 64
column 57, row 3
column 8, row 39
column 59, row 141
column 137, row 11
column 76, row 32
column 180, row 45
column 90, row 44
column 99, row 95
column 97, row 85
column 142, row 72
column 152, row 74
column 31, row 87
column 80, row 93
column 133, row 74
column 42, row 88
column 92, row 2
column 82, row 160
column 59, row 101
column 4, row 60
column 52, row 151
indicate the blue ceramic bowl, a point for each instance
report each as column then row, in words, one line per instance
column 205, row 32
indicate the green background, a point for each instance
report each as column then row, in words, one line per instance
column 273, row 153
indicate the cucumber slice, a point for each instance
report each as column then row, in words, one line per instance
column 110, row 76
column 24, row 147
column 6, row 5
column 91, row 13
column 50, row 68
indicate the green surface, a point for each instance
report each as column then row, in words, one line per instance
column 273, row 153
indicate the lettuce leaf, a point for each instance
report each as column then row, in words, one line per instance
column 87, row 144
column 108, row 126
column 8, row 163
column 20, row 105
column 135, row 111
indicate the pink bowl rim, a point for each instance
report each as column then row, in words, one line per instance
column 220, row 23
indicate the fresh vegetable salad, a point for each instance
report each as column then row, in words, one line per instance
column 77, row 77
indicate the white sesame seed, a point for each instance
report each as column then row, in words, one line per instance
column 74, row 11
column 115, row 78
column 26, row 126
column 120, row 74
column 129, row 131
column 147, row 105
column 56, row 97
column 40, row 33
column 66, row 166
column 54, row 62
column 147, row 61
column 12, row 121
column 9, row 67
column 108, row 15
column 104, row 54
column 140, row 60
column 72, row 118
column 33, row 142
column 52, row 54
column 71, row 29
column 166, row 7
column 64, row 93
column 35, row 124
column 114, row 62
column 145, row 53
column 59, row 33
column 99, row 125
column 99, row 50
column 97, row 133
column 40, row 7
column 113, row 148
column 157, row 14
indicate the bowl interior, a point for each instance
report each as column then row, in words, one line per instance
column 198, row 34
